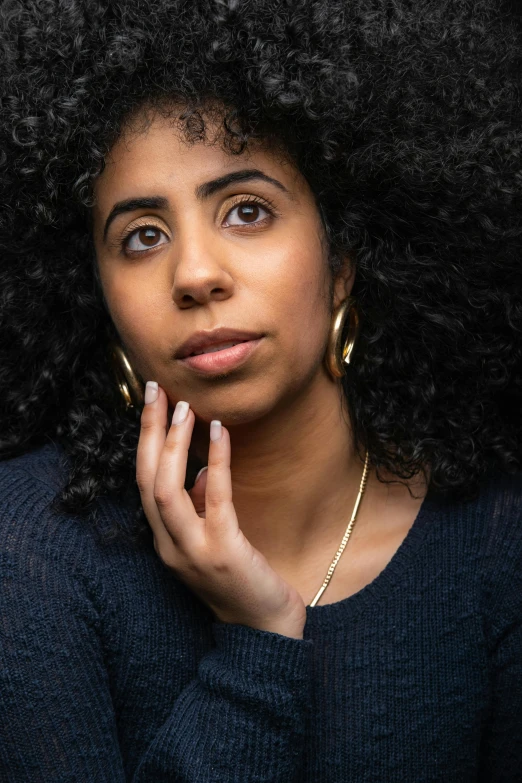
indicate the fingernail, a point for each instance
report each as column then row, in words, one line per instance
column 215, row 430
column 180, row 412
column 199, row 473
column 151, row 392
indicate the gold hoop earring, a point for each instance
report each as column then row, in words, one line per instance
column 338, row 358
column 130, row 386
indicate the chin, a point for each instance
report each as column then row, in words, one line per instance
column 232, row 411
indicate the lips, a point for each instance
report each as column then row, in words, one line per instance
column 214, row 341
column 215, row 348
column 224, row 361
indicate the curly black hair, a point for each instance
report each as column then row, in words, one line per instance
column 403, row 116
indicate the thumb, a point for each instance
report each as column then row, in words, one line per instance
column 197, row 493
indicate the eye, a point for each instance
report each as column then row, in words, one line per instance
column 247, row 212
column 144, row 238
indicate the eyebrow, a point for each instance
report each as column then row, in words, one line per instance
column 132, row 204
column 204, row 191
column 209, row 188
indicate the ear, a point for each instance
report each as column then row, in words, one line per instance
column 344, row 281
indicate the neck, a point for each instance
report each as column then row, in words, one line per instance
column 295, row 474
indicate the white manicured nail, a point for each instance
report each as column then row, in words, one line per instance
column 215, row 430
column 180, row 412
column 151, row 392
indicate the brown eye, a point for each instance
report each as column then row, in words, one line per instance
column 246, row 213
column 144, row 239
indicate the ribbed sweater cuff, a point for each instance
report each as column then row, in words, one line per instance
column 263, row 654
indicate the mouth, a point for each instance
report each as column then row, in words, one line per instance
column 216, row 358
column 215, row 352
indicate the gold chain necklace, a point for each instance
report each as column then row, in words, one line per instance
column 347, row 534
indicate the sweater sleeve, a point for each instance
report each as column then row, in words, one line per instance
column 502, row 743
column 241, row 718
column 501, row 748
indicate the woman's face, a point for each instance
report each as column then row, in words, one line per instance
column 189, row 240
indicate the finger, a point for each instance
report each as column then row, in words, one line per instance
column 220, row 513
column 172, row 467
column 150, row 445
column 197, row 493
column 173, row 501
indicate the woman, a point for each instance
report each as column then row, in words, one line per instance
column 279, row 242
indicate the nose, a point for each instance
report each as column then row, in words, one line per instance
column 200, row 276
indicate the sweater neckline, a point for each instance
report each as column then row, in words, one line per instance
column 339, row 612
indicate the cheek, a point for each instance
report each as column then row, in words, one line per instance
column 136, row 311
column 303, row 303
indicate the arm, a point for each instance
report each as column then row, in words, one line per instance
column 501, row 747
column 242, row 717
column 502, row 744
column 56, row 717
column 501, row 750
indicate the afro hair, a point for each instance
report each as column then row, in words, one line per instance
column 404, row 117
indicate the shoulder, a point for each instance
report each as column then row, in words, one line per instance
column 43, row 468
column 48, row 561
column 497, row 517
column 490, row 524
column 33, row 529
column 28, row 485
column 491, row 547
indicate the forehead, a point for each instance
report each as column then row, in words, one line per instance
column 158, row 154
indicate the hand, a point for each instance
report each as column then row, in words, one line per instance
column 205, row 547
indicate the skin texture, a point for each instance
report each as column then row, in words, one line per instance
column 294, row 472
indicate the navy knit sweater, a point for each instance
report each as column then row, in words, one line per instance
column 111, row 669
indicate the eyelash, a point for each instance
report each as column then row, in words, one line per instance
column 265, row 203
